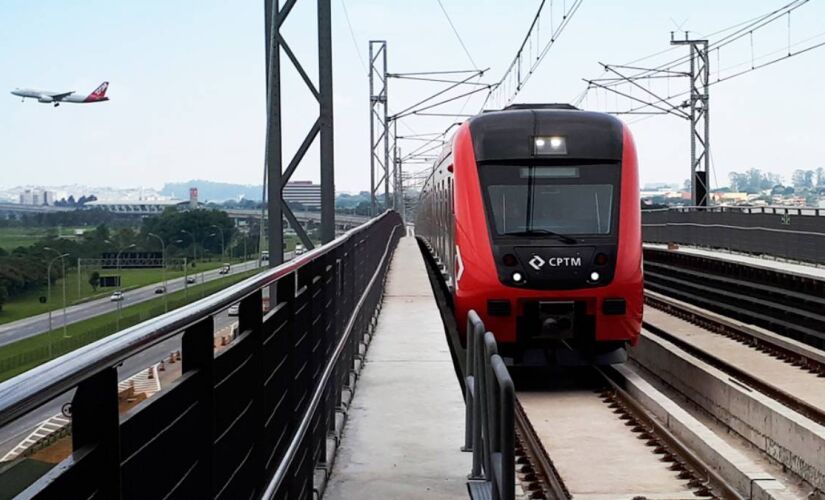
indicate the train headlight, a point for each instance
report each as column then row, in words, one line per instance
column 517, row 277
column 551, row 145
column 594, row 276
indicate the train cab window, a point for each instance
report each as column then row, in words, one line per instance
column 565, row 200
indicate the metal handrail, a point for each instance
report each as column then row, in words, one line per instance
column 490, row 404
column 768, row 209
column 281, row 472
column 41, row 384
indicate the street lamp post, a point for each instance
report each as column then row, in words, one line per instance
column 63, row 277
column 120, row 284
column 203, row 257
column 185, row 274
column 163, row 269
column 194, row 244
column 49, row 293
column 223, row 246
column 245, row 254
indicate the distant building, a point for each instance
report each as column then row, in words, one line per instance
column 304, row 192
column 193, row 198
column 656, row 186
column 37, row 197
column 722, row 197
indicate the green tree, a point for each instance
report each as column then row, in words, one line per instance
column 803, row 179
column 4, row 295
column 94, row 280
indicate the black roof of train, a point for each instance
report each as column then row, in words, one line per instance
column 510, row 133
column 549, row 105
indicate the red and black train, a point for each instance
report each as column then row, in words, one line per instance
column 534, row 214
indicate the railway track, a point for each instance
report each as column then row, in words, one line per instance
column 754, row 430
column 764, row 387
column 798, row 356
column 564, row 450
column 790, row 305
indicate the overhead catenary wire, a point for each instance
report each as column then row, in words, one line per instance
column 514, row 79
column 744, row 30
column 352, row 35
column 752, row 65
column 740, row 30
column 457, row 35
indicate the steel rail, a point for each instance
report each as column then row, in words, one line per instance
column 748, row 310
column 805, row 363
column 537, row 455
column 321, row 387
column 677, row 447
column 41, row 384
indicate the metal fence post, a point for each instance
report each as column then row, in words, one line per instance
column 475, row 330
column 469, row 384
column 504, row 474
column 96, row 430
column 198, row 353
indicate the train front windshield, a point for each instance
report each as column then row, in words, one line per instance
column 561, row 200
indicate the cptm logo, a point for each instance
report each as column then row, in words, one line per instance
column 537, row 262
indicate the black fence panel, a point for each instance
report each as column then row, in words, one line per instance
column 785, row 232
column 250, row 421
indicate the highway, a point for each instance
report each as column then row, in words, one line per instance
column 24, row 328
column 13, row 433
column 16, row 431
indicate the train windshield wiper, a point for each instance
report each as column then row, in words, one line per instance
column 543, row 232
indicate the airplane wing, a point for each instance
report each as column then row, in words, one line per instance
column 58, row 97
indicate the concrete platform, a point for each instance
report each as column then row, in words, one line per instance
column 406, row 422
column 778, row 264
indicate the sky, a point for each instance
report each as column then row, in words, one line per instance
column 187, row 83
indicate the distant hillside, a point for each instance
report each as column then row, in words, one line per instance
column 212, row 191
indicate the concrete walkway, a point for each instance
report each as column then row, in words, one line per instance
column 406, row 422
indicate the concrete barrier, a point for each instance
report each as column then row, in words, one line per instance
column 786, row 436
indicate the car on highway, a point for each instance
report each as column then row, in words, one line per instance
column 300, row 249
column 116, row 296
column 190, row 279
column 233, row 310
column 160, row 289
column 224, row 269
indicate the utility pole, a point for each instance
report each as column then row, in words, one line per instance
column 379, row 125
column 699, row 118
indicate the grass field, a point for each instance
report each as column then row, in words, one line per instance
column 25, row 354
column 13, row 237
column 29, row 304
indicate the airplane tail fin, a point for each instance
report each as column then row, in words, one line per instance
column 99, row 93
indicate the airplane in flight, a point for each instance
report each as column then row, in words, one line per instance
column 56, row 98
